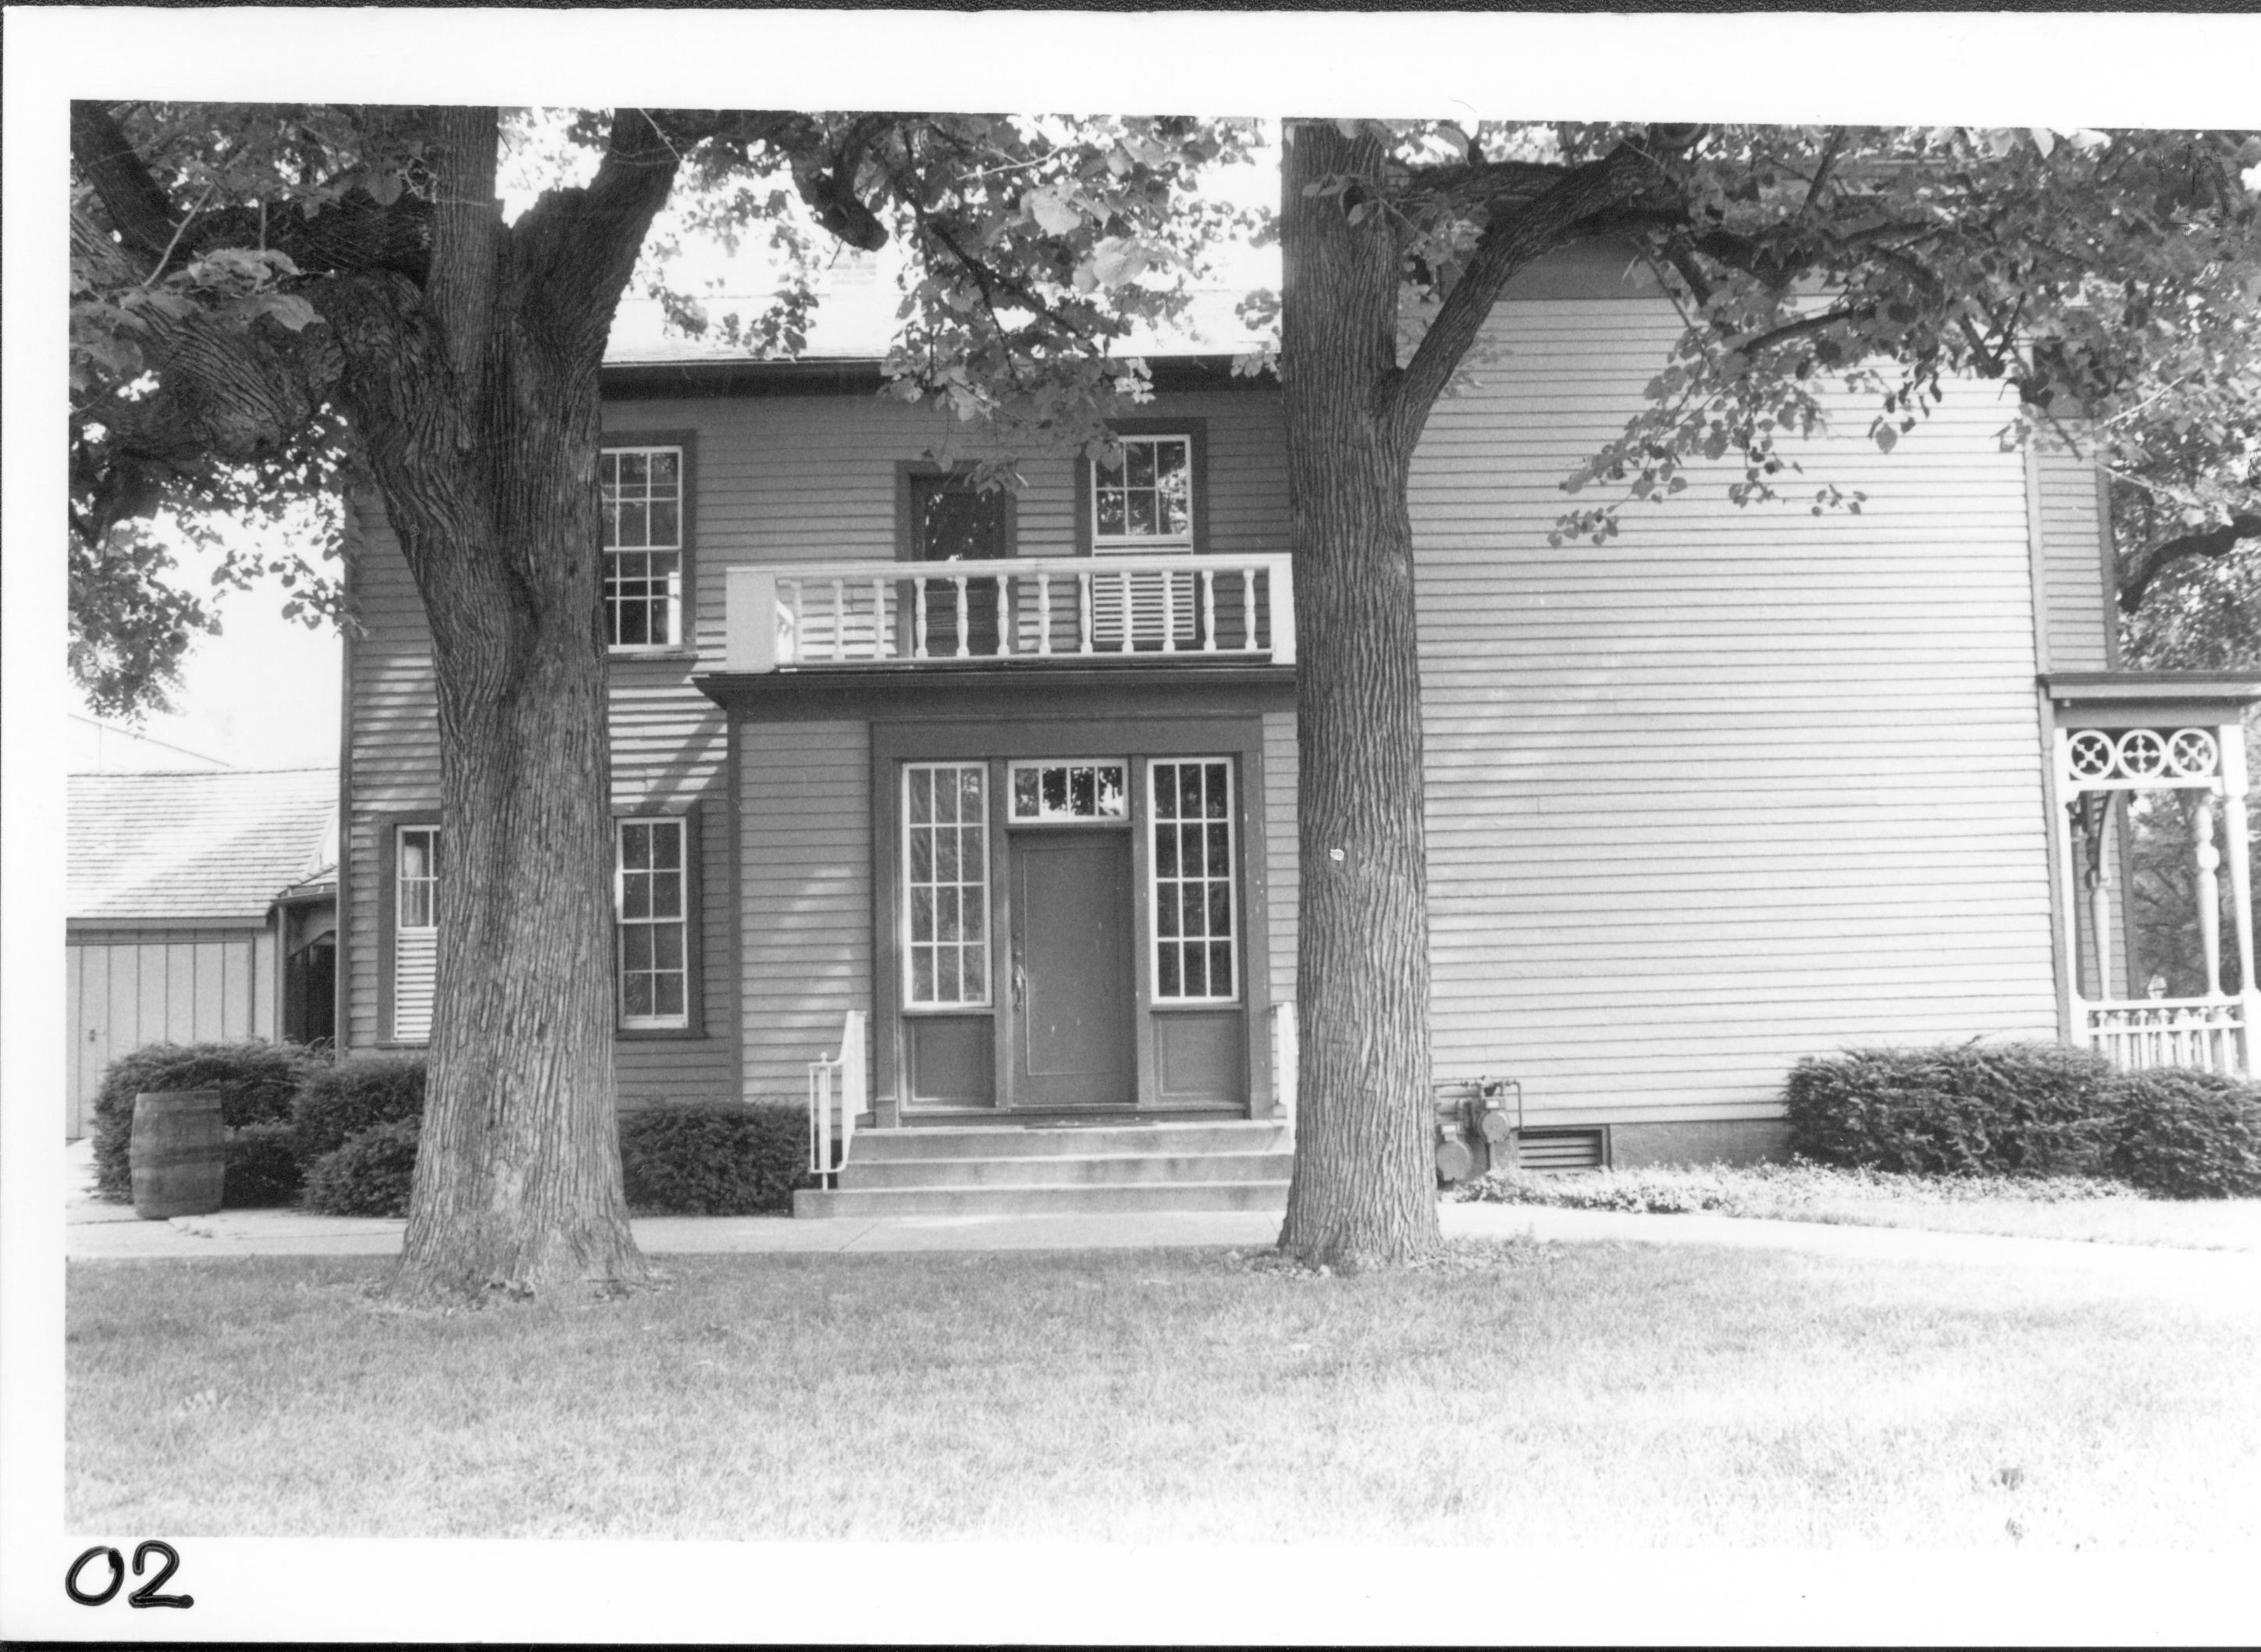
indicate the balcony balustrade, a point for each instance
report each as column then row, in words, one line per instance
column 1012, row 612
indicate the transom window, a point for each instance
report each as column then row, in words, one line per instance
column 649, row 906
column 946, row 883
column 641, row 495
column 1147, row 502
column 1194, row 896
column 1069, row 792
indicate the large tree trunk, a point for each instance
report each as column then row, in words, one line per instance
column 477, row 400
column 1363, row 1191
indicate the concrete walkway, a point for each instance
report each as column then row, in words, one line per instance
column 97, row 1230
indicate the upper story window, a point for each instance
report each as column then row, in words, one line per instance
column 1146, row 503
column 641, row 497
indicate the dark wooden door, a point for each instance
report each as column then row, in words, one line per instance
column 954, row 521
column 1070, row 982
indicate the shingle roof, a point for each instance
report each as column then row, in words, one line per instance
column 215, row 843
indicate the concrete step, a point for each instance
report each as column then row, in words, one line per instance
column 1041, row 1199
column 1095, row 1169
column 1070, row 1141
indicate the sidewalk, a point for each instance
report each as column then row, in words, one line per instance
column 101, row 1232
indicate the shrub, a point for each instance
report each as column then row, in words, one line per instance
column 2185, row 1135
column 713, row 1158
column 357, row 1093
column 256, row 1082
column 368, row 1174
column 2010, row 1108
column 262, row 1167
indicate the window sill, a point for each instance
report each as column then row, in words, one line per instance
column 671, row 653
column 646, row 1035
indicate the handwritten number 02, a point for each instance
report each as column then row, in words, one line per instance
column 145, row 1596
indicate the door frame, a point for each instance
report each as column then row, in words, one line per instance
column 996, row 741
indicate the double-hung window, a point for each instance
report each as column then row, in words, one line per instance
column 651, row 906
column 415, row 931
column 1143, row 506
column 640, row 500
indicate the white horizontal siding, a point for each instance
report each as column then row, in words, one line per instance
column 1739, row 785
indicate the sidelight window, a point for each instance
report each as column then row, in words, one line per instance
column 946, row 884
column 1193, row 893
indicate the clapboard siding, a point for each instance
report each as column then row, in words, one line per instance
column 1283, row 884
column 1737, row 786
column 805, row 915
column 125, row 988
column 2078, row 618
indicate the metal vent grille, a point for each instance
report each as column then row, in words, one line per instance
column 1560, row 1150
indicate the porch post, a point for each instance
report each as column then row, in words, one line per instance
column 2230, row 738
column 2068, row 804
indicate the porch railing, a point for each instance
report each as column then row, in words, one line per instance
column 1013, row 610
column 836, row 1085
column 2208, row 1034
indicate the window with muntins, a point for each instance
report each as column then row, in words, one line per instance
column 650, row 906
column 1147, row 502
column 1195, row 898
column 946, row 884
column 1062, row 792
column 415, row 931
column 641, row 500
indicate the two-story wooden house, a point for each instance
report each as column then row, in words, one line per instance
column 1005, row 784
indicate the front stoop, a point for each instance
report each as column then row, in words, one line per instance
column 1047, row 1169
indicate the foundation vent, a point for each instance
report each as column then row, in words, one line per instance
column 1561, row 1149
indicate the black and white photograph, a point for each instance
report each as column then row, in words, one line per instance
column 1131, row 827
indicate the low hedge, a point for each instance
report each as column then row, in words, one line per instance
column 2025, row 1110
column 2185, row 1135
column 263, row 1167
column 716, row 1159
column 368, row 1174
column 256, row 1081
column 1960, row 1110
column 361, row 1091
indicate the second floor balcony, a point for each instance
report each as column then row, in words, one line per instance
column 1012, row 611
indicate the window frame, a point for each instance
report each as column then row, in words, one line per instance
column 389, row 828
column 682, row 608
column 1236, row 897
column 1015, row 766
column 685, row 921
column 908, row 1000
column 1195, row 434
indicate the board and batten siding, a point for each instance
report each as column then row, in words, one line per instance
column 668, row 749
column 127, row 987
column 1739, row 785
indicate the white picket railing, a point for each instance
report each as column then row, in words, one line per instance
column 2208, row 1034
column 836, row 1085
column 1056, row 609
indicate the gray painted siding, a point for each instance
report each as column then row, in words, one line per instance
column 2077, row 617
column 805, row 835
column 1283, row 882
column 125, row 988
column 1738, row 787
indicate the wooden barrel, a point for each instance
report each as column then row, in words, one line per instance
column 178, row 1154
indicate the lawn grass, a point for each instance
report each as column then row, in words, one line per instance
column 1558, row 1395
column 2040, row 1207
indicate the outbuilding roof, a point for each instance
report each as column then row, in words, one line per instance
column 208, row 844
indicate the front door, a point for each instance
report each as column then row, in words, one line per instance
column 1071, row 971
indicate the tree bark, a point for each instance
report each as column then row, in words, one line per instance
column 1363, row 1190
column 476, row 399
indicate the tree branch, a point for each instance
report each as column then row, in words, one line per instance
column 2139, row 571
column 1562, row 215
column 139, row 210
